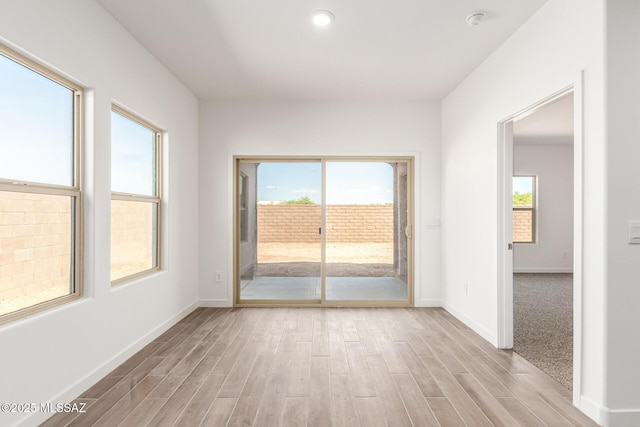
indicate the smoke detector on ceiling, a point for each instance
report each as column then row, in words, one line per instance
column 475, row 18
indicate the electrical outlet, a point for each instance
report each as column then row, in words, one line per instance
column 465, row 289
column 565, row 254
column 218, row 276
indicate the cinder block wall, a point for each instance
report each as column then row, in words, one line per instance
column 522, row 221
column 35, row 245
column 345, row 223
column 131, row 241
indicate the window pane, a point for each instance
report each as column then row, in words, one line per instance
column 35, row 249
column 133, row 237
column 133, row 157
column 524, row 200
column 523, row 191
column 366, row 221
column 243, row 191
column 359, row 183
column 244, row 213
column 281, row 258
column 36, row 126
column 522, row 226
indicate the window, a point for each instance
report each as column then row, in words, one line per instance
column 40, row 198
column 243, row 208
column 524, row 209
column 135, row 196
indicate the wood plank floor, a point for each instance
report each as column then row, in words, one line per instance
column 324, row 367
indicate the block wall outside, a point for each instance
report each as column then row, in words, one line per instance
column 35, row 245
column 345, row 223
column 131, row 237
column 522, row 225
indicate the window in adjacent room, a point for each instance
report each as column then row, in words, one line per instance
column 524, row 209
column 135, row 196
column 40, row 198
column 244, row 217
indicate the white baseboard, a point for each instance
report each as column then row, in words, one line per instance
column 542, row 270
column 608, row 417
column 619, row 417
column 590, row 408
column 427, row 303
column 74, row 390
column 227, row 303
column 215, row 303
column 476, row 327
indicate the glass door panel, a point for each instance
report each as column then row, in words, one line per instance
column 279, row 220
column 366, row 225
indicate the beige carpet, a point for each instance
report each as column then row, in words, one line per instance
column 543, row 323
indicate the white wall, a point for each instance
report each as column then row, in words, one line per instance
column 304, row 129
column 57, row 354
column 623, row 290
column 553, row 166
column 544, row 56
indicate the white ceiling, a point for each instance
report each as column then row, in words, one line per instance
column 375, row 50
column 550, row 124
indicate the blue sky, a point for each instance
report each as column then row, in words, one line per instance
column 36, row 126
column 36, row 129
column 36, row 135
column 522, row 184
column 347, row 182
column 132, row 157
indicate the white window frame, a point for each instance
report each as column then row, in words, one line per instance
column 74, row 191
column 157, row 199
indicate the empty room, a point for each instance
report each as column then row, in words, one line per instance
column 218, row 212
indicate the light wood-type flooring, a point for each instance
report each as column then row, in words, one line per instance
column 324, row 367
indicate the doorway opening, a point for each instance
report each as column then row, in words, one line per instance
column 325, row 231
column 540, row 193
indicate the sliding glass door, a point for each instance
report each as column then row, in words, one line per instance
column 279, row 220
column 366, row 222
column 323, row 232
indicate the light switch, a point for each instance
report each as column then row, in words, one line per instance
column 634, row 232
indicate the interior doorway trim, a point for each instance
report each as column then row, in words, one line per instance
column 505, row 254
column 323, row 301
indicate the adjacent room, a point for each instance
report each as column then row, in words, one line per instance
column 543, row 227
column 218, row 212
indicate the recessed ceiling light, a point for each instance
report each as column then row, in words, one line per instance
column 322, row 18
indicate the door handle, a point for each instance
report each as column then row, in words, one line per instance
column 509, row 246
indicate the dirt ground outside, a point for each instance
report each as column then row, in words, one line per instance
column 358, row 253
column 343, row 259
